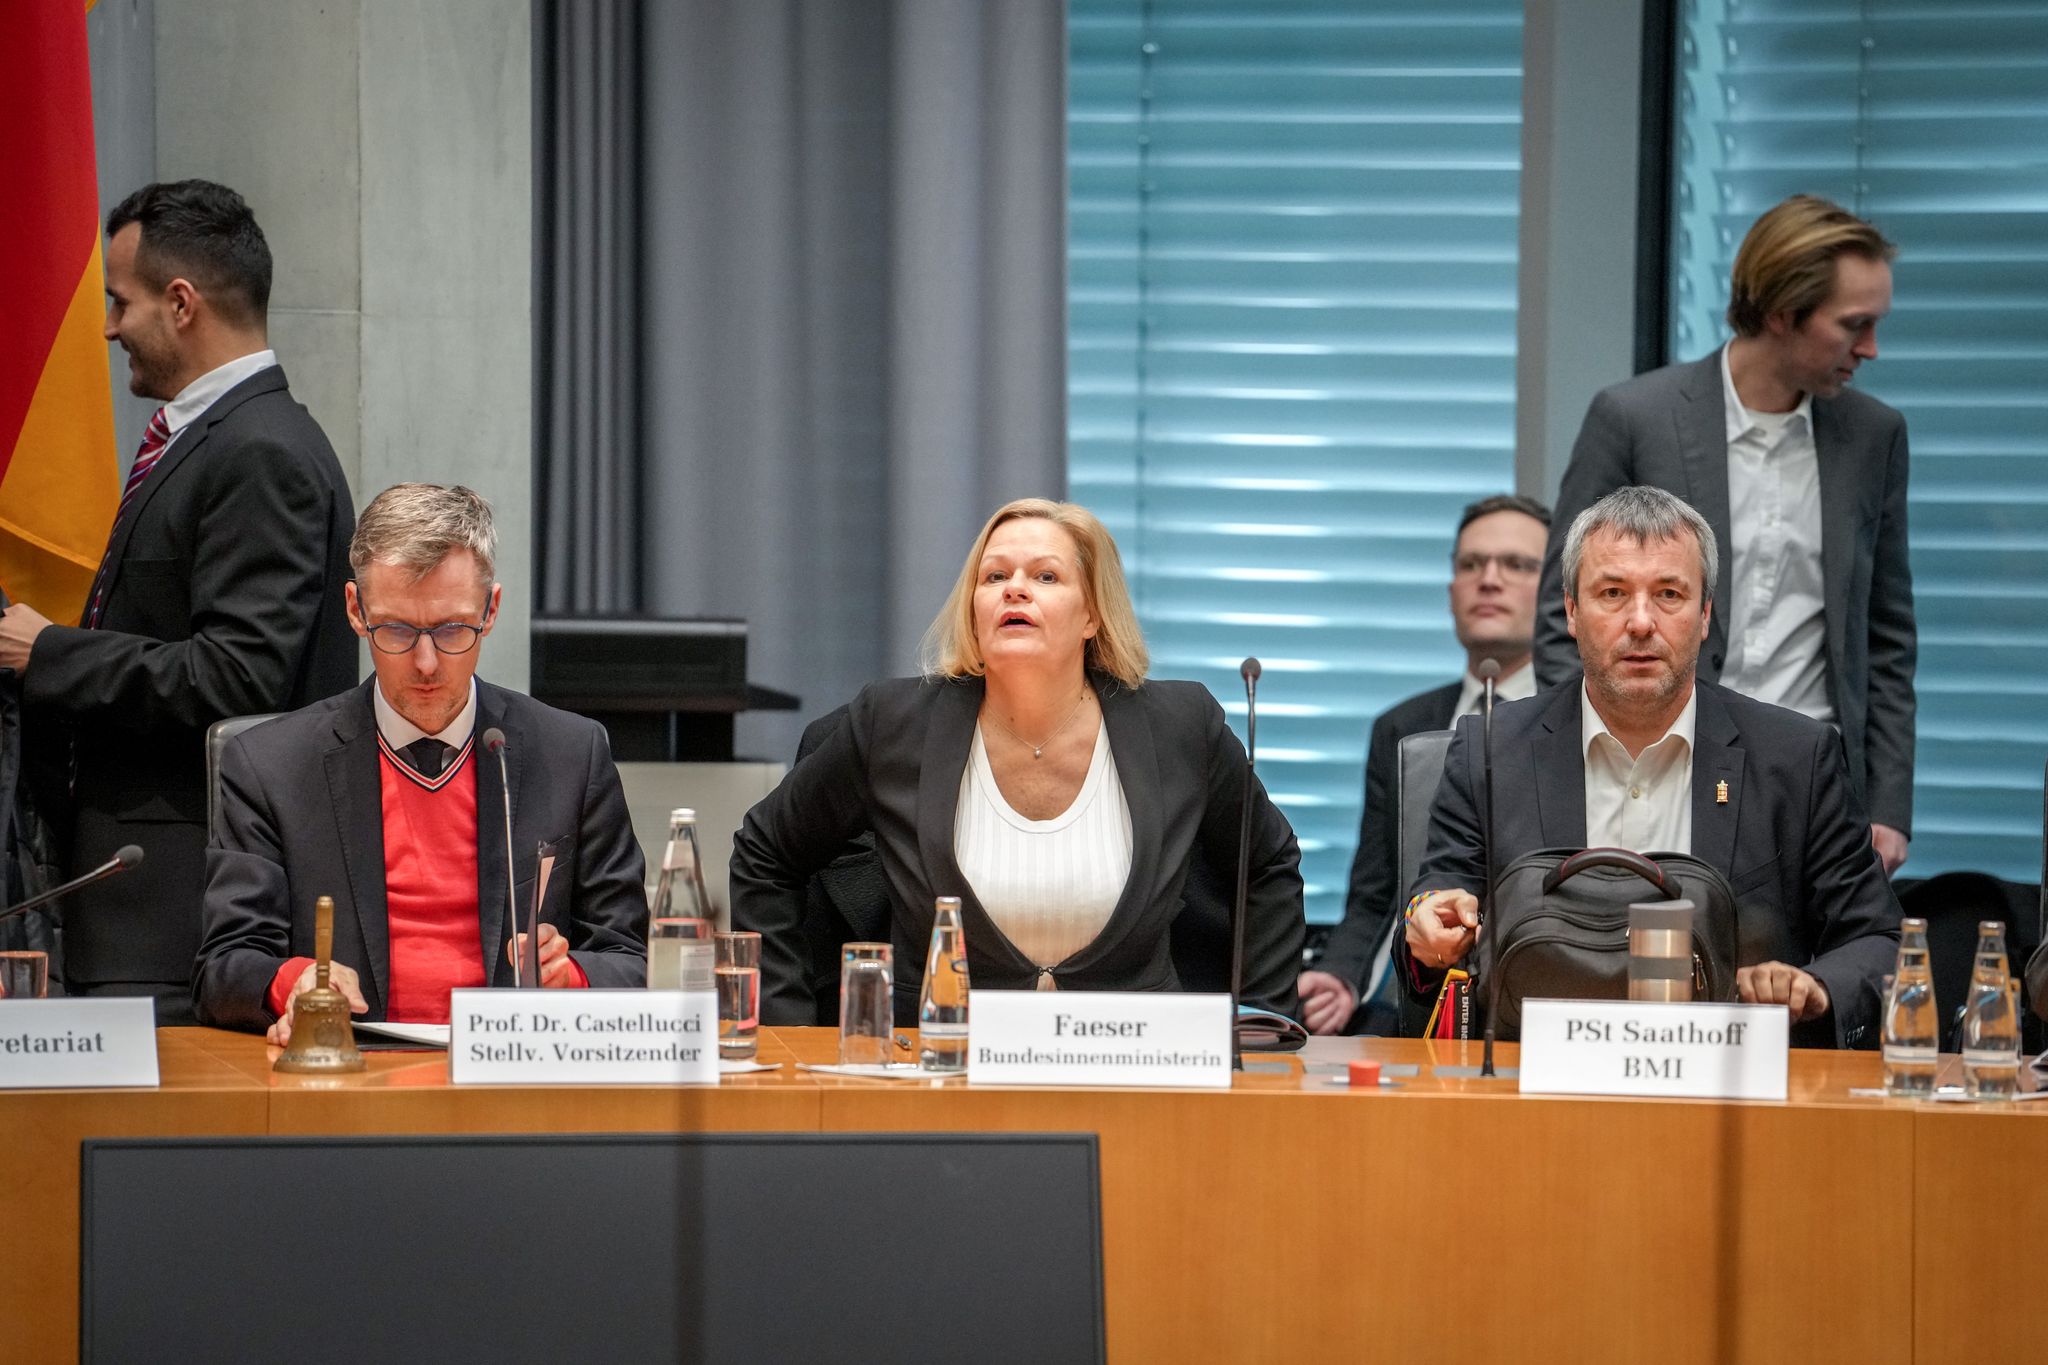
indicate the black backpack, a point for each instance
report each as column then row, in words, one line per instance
column 1558, row 927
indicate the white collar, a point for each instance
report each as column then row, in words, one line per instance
column 1507, row 687
column 1592, row 725
column 399, row 732
column 1738, row 419
column 203, row 392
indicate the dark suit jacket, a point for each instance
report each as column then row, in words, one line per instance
column 224, row 599
column 302, row 817
column 1668, row 428
column 894, row 767
column 1375, row 897
column 1791, row 839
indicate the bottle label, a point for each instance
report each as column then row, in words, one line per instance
column 1991, row 1056
column 1899, row 1054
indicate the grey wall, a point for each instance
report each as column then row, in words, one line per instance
column 1575, row 328
column 121, row 42
column 386, row 147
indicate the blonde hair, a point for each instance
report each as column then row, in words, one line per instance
column 414, row 526
column 1787, row 261
column 950, row 649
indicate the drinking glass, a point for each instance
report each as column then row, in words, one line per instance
column 24, row 975
column 867, row 995
column 739, row 994
column 679, row 955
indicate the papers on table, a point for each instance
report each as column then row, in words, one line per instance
column 424, row 1035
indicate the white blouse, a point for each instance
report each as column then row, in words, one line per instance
column 1049, row 885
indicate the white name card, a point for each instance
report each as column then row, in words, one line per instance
column 1632, row 1047
column 1098, row 1038
column 73, row 1044
column 582, row 1037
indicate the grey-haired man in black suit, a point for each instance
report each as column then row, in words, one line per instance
column 1803, row 480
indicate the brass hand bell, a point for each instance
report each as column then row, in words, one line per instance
column 323, row 1041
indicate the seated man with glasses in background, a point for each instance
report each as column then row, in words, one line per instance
column 385, row 799
column 1495, row 561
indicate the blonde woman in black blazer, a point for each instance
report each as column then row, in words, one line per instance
column 1039, row 650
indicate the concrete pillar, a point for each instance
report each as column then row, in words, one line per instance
column 1575, row 327
column 387, row 149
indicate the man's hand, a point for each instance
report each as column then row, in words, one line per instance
column 556, row 972
column 19, row 626
column 1891, row 846
column 1443, row 928
column 1776, row 983
column 342, row 978
column 1326, row 1002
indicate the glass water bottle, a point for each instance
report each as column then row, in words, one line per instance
column 680, row 952
column 942, row 1004
column 1991, row 1021
column 1912, row 1021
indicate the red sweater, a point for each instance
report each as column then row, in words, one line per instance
column 429, row 890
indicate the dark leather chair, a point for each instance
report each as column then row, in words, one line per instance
column 217, row 736
column 1421, row 770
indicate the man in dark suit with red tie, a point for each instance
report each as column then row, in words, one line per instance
column 219, row 593
column 387, row 799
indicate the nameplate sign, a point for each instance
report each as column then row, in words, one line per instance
column 1098, row 1038
column 1629, row 1047
column 74, row 1044
column 500, row 1037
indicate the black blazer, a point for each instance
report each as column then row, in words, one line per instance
column 1375, row 897
column 894, row 767
column 1791, row 839
column 1669, row 428
column 302, row 817
column 223, row 599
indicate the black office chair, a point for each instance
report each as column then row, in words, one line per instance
column 1419, row 771
column 217, row 736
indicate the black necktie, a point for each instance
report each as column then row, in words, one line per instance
column 426, row 756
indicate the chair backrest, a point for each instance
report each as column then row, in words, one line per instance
column 217, row 736
column 1421, row 769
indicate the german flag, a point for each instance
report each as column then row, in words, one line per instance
column 58, row 477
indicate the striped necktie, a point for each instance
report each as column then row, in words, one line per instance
column 153, row 442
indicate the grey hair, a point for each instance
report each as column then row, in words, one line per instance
column 414, row 526
column 1642, row 514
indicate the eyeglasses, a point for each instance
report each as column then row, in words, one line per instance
column 1511, row 566
column 450, row 637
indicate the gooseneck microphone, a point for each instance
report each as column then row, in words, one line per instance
column 1249, row 670
column 494, row 742
column 1488, row 673
column 125, row 857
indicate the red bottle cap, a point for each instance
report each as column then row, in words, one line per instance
column 1366, row 1073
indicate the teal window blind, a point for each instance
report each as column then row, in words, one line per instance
column 1292, row 252
column 1931, row 119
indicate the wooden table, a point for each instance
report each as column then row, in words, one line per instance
column 1285, row 1218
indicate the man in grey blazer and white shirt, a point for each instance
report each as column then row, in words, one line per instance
column 1802, row 477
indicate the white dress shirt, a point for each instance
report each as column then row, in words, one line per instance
column 399, row 732
column 1049, row 885
column 1508, row 687
column 1644, row 803
column 1772, row 594
column 202, row 393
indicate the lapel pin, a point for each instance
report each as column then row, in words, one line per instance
column 1721, row 792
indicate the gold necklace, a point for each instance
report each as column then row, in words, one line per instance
column 1038, row 749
